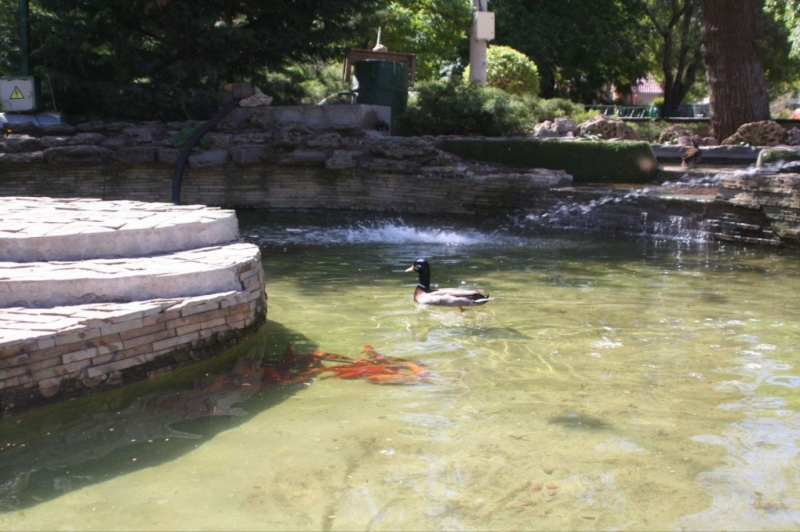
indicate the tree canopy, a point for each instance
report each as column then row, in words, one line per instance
column 674, row 43
column 788, row 11
column 579, row 46
column 168, row 58
column 436, row 30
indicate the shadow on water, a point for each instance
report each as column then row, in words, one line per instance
column 572, row 420
column 48, row 452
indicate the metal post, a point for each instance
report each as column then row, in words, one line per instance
column 24, row 67
column 477, row 49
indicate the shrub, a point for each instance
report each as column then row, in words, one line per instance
column 558, row 108
column 650, row 129
column 283, row 89
column 450, row 107
column 304, row 83
column 510, row 70
column 777, row 155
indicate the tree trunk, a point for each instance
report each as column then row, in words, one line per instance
column 734, row 70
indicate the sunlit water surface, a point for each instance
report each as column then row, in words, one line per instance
column 611, row 384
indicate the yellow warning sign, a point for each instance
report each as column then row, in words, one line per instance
column 16, row 94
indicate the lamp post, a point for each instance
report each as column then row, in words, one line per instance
column 24, row 67
column 482, row 32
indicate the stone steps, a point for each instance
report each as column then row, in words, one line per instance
column 94, row 294
column 50, row 229
column 189, row 273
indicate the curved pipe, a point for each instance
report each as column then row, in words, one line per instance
column 192, row 142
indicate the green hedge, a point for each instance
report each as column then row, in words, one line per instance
column 777, row 155
column 587, row 162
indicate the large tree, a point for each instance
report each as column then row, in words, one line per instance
column 733, row 68
column 579, row 46
column 674, row 41
column 168, row 58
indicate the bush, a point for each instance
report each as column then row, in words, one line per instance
column 650, row 129
column 510, row 70
column 450, row 107
column 777, row 155
column 558, row 108
column 304, row 83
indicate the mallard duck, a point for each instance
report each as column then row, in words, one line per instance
column 692, row 155
column 449, row 297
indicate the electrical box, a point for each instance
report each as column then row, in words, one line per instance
column 484, row 25
column 20, row 94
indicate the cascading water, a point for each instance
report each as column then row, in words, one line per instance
column 683, row 209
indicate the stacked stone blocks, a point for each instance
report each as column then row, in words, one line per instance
column 54, row 351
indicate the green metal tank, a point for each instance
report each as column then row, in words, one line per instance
column 382, row 82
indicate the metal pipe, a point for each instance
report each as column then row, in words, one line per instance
column 24, row 66
column 183, row 156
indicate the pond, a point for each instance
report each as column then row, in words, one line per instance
column 612, row 383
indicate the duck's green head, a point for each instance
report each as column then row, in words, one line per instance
column 423, row 269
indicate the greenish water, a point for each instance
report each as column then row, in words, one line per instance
column 611, row 384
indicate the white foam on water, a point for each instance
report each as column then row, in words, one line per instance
column 384, row 232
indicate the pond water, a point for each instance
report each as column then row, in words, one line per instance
column 612, row 383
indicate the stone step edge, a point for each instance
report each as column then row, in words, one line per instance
column 734, row 154
column 168, row 228
column 88, row 347
column 180, row 274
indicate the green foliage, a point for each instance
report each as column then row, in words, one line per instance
column 283, row 89
column 436, row 30
column 145, row 59
column 578, row 46
column 788, row 12
column 307, row 82
column 777, row 155
column 672, row 42
column 510, row 70
column 9, row 38
column 587, row 162
column 450, row 107
column 559, row 108
column 650, row 129
column 780, row 57
column 321, row 80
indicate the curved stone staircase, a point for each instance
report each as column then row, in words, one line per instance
column 96, row 293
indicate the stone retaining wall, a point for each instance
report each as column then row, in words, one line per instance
column 93, row 347
column 458, row 189
column 776, row 195
column 262, row 157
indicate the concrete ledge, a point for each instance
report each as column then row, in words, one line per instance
column 323, row 116
column 716, row 154
column 38, row 229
